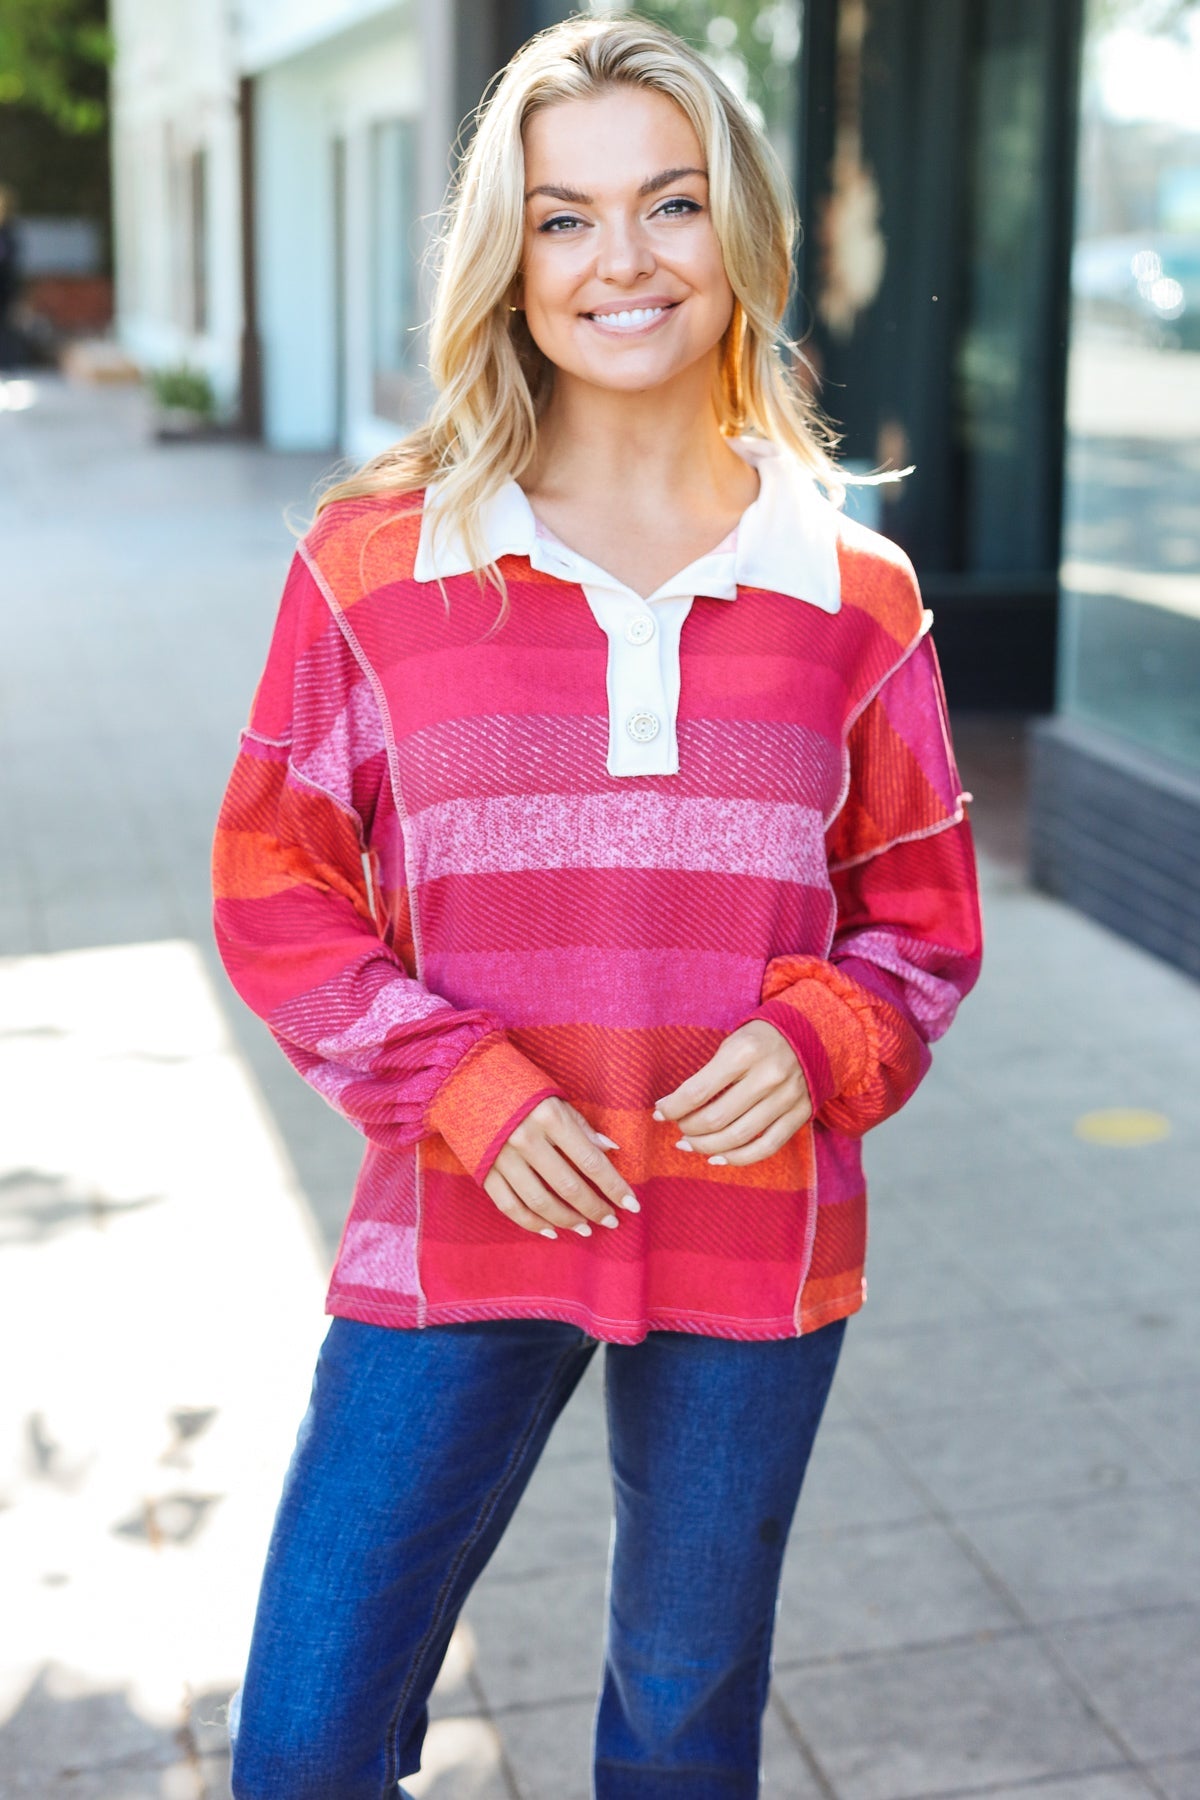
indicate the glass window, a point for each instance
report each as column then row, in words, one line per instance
column 394, row 284
column 1130, row 654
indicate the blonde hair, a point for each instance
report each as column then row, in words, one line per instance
column 491, row 381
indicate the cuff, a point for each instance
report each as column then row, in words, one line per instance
column 485, row 1098
column 828, row 1021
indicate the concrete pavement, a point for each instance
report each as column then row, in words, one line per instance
column 993, row 1585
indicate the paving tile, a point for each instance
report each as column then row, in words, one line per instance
column 67, row 1739
column 462, row 1758
column 1178, row 1777
column 850, row 1481
column 786, row 1774
column 549, row 1749
column 454, row 1693
column 1061, row 1255
column 943, row 1367
column 84, row 923
column 1143, row 1673
column 953, row 1717
column 562, row 1521
column 918, row 1284
column 998, row 1454
column 1075, row 1559
column 880, row 1589
column 1118, row 1784
column 1166, row 1419
column 539, row 1639
column 1136, row 1344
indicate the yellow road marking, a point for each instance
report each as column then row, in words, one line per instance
column 1123, row 1125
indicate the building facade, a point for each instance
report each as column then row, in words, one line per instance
column 997, row 284
column 1115, row 798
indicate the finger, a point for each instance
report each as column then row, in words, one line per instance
column 731, row 1105
column 770, row 1143
column 741, row 1131
column 501, row 1194
column 756, row 1091
column 730, row 1060
column 573, row 1141
column 565, row 1180
column 529, row 1187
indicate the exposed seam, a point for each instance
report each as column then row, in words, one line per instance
column 402, row 814
column 856, row 712
column 333, row 799
column 469, row 1311
column 259, row 737
column 844, row 791
column 810, row 1232
column 907, row 837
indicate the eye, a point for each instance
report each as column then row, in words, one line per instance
column 550, row 225
column 692, row 206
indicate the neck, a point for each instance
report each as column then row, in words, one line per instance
column 650, row 446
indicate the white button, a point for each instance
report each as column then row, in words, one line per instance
column 640, row 629
column 643, row 727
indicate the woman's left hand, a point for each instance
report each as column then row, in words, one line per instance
column 747, row 1100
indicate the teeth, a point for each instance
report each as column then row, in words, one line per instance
column 629, row 321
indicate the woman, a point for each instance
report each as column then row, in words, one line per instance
column 630, row 906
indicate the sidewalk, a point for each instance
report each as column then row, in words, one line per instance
column 993, row 1585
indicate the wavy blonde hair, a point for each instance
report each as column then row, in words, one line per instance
column 491, row 381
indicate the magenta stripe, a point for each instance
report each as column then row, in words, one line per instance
column 700, row 909
column 623, row 989
column 529, row 753
column 622, row 831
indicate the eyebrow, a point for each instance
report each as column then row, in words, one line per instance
column 650, row 186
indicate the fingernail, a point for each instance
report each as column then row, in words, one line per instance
column 606, row 1141
column 584, row 1230
column 657, row 1115
column 629, row 1203
column 609, row 1219
column 683, row 1144
column 718, row 1159
column 547, row 1231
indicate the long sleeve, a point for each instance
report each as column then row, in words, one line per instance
column 907, row 942
column 302, row 931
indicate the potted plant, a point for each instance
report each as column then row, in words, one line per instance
column 184, row 403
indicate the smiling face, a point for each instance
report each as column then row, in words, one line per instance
column 623, row 285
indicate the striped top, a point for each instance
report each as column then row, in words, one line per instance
column 446, row 908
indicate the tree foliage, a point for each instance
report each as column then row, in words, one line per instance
column 54, row 55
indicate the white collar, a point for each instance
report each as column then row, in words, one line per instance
column 786, row 539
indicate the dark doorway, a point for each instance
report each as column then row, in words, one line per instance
column 938, row 159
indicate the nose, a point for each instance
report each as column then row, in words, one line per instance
column 624, row 252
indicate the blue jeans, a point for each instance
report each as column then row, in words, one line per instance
column 410, row 1461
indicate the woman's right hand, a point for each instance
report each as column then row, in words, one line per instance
column 549, row 1169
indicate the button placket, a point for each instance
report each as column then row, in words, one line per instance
column 641, row 715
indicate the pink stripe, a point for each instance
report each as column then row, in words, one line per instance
column 531, row 752
column 376, row 1254
column 355, row 735
column 932, row 999
column 628, row 990
column 401, row 1003
column 623, row 831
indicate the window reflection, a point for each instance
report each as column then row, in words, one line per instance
column 1131, row 571
column 754, row 45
